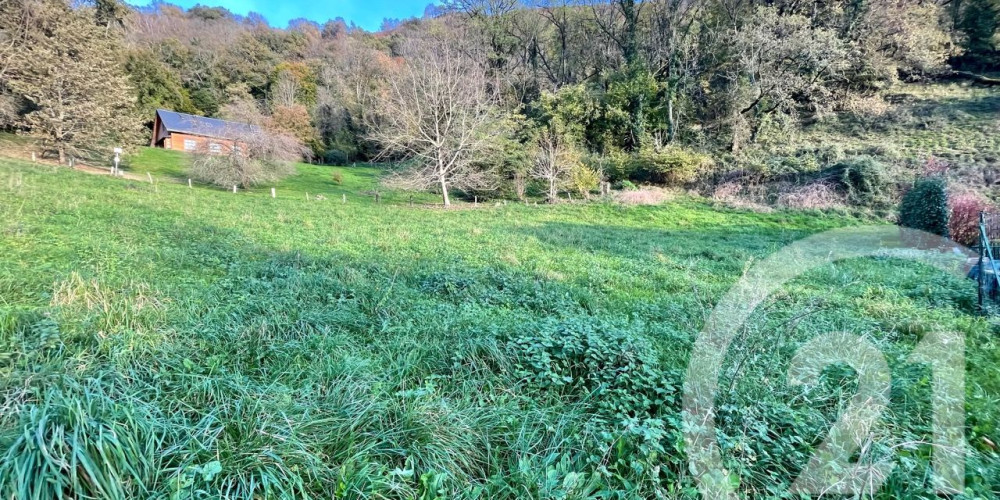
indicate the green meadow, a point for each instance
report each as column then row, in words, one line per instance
column 158, row 341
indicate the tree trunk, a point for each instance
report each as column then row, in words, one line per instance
column 980, row 79
column 444, row 191
column 520, row 185
column 552, row 189
column 671, row 120
column 62, row 154
column 630, row 50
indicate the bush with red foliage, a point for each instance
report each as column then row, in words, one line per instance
column 964, row 223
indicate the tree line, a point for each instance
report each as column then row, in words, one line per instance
column 486, row 97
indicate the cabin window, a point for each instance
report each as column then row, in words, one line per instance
column 190, row 145
column 214, row 148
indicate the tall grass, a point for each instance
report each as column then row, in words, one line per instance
column 191, row 343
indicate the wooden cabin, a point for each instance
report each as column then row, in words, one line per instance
column 190, row 133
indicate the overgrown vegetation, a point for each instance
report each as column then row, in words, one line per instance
column 211, row 345
column 745, row 102
column 256, row 158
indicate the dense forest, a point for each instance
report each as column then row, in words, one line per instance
column 500, row 97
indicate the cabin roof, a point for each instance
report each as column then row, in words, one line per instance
column 173, row 121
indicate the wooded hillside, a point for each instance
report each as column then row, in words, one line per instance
column 627, row 91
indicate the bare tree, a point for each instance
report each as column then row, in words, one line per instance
column 285, row 91
column 555, row 161
column 494, row 20
column 783, row 63
column 242, row 107
column 439, row 117
column 620, row 22
column 673, row 53
column 558, row 14
column 256, row 156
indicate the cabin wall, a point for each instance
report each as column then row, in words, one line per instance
column 194, row 143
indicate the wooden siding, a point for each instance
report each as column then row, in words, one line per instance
column 177, row 142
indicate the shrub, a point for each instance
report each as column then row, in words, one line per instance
column 964, row 222
column 584, row 179
column 626, row 185
column 616, row 165
column 742, row 194
column 335, row 157
column 785, row 166
column 830, row 153
column 259, row 158
column 816, row 196
column 338, row 177
column 925, row 207
column 936, row 166
column 671, row 166
column 615, row 368
column 865, row 181
column 886, row 151
column 649, row 195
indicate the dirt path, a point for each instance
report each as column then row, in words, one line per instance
column 8, row 152
column 87, row 169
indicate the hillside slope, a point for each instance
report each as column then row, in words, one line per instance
column 194, row 343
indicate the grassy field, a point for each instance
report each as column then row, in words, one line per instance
column 953, row 122
column 357, row 183
column 166, row 342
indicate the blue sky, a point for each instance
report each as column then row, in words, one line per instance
column 365, row 13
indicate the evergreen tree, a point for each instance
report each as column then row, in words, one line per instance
column 925, row 207
column 979, row 20
column 156, row 86
column 71, row 73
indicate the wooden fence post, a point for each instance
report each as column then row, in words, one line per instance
column 150, row 176
column 274, row 194
column 234, row 188
column 189, row 184
column 344, row 196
